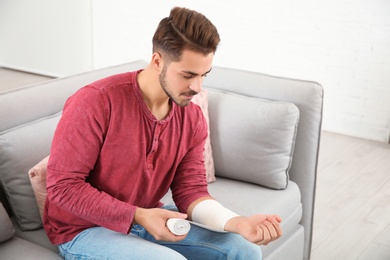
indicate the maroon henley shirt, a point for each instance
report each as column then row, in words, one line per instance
column 110, row 155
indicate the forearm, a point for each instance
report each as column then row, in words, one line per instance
column 196, row 202
column 259, row 229
column 209, row 212
column 83, row 201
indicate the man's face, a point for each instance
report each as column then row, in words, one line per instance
column 183, row 79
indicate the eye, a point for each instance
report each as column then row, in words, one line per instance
column 188, row 76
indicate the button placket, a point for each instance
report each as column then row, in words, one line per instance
column 156, row 136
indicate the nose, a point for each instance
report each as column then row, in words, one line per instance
column 196, row 84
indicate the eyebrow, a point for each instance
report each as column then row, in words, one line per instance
column 196, row 74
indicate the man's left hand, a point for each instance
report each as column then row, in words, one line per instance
column 259, row 229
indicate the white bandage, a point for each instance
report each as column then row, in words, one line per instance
column 211, row 213
column 178, row 226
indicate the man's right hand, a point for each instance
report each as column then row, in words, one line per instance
column 154, row 221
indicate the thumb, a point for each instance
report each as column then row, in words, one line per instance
column 276, row 217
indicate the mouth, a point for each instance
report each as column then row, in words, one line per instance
column 189, row 95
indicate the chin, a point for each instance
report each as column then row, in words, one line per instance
column 182, row 103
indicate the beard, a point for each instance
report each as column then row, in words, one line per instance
column 168, row 91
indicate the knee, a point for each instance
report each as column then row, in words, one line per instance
column 244, row 250
column 251, row 251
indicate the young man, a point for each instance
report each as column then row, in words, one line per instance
column 123, row 141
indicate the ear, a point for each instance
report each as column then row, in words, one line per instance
column 157, row 62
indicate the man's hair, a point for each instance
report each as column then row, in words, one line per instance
column 185, row 29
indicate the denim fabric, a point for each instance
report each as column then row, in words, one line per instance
column 101, row 243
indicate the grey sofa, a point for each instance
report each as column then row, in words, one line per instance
column 257, row 123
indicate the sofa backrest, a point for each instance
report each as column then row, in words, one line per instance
column 23, row 105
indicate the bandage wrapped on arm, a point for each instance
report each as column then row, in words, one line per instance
column 212, row 214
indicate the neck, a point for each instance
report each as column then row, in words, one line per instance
column 154, row 96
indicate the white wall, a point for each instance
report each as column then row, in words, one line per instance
column 343, row 44
column 51, row 37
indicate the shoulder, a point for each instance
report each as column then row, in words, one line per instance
column 114, row 82
column 106, row 88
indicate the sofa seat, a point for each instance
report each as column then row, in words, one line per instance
column 17, row 248
column 249, row 199
column 37, row 236
column 243, row 198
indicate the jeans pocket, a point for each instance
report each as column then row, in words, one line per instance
column 137, row 230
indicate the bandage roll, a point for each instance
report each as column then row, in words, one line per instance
column 178, row 226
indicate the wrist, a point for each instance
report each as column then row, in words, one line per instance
column 232, row 224
column 138, row 216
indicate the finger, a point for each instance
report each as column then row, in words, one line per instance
column 175, row 238
column 276, row 217
column 175, row 214
column 266, row 236
column 273, row 234
column 267, row 232
column 278, row 228
column 167, row 235
column 259, row 235
column 279, row 219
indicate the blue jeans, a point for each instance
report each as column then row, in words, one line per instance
column 102, row 243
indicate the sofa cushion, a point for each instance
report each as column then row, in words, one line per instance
column 202, row 100
column 37, row 176
column 253, row 139
column 248, row 199
column 21, row 148
column 17, row 248
column 37, row 236
column 6, row 228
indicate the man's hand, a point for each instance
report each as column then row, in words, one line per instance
column 259, row 229
column 154, row 221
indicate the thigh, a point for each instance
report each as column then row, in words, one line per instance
column 101, row 243
column 201, row 243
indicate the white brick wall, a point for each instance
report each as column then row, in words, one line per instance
column 343, row 44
